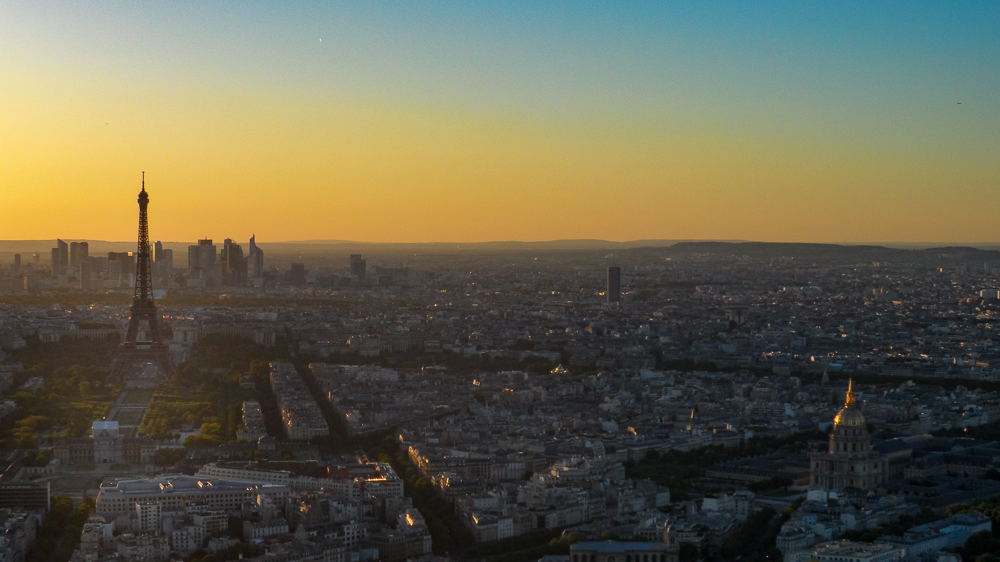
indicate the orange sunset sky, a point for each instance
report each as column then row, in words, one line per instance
column 826, row 122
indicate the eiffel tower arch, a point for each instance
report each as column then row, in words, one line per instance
column 144, row 320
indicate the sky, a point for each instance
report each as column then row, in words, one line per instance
column 478, row 121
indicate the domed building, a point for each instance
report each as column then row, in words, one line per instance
column 850, row 461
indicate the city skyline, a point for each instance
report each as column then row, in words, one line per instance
column 511, row 121
column 522, row 281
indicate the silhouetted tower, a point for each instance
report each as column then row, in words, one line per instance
column 614, row 292
column 358, row 266
column 78, row 251
column 153, row 349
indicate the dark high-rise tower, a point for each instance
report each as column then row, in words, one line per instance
column 358, row 266
column 152, row 349
column 78, row 251
column 60, row 258
column 255, row 261
column 614, row 292
column 234, row 264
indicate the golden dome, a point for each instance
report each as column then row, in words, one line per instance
column 850, row 415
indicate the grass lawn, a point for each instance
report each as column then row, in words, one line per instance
column 128, row 418
column 138, row 396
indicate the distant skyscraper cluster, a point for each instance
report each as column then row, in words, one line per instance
column 209, row 268
column 72, row 266
column 71, row 262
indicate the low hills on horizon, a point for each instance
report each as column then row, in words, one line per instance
column 708, row 245
column 326, row 249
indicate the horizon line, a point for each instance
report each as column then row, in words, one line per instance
column 671, row 241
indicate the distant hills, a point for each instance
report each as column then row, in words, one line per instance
column 840, row 253
column 349, row 247
column 325, row 250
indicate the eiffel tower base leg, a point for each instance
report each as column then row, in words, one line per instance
column 130, row 357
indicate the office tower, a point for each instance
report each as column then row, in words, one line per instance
column 194, row 261
column 224, row 254
column 37, row 259
column 614, row 292
column 85, row 274
column 127, row 260
column 201, row 263
column 234, row 266
column 17, row 262
column 115, row 272
column 132, row 351
column 297, row 274
column 158, row 270
column 255, row 260
column 255, row 268
column 206, row 255
column 358, row 266
column 60, row 257
column 166, row 262
column 98, row 265
column 78, row 251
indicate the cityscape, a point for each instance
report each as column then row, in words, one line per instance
column 500, row 282
column 699, row 400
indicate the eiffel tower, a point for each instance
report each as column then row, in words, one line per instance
column 133, row 352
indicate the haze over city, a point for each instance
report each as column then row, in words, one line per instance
column 430, row 122
column 499, row 282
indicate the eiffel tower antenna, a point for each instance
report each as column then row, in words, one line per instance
column 132, row 351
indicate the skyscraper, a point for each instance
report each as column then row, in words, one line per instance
column 17, row 262
column 60, row 257
column 234, row 266
column 255, row 262
column 358, row 266
column 206, row 254
column 78, row 251
column 114, row 272
column 166, row 262
column 127, row 260
column 614, row 291
column 194, row 260
column 159, row 267
column 85, row 274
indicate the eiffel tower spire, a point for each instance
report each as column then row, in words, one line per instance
column 143, row 277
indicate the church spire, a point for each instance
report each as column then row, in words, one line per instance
column 850, row 393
